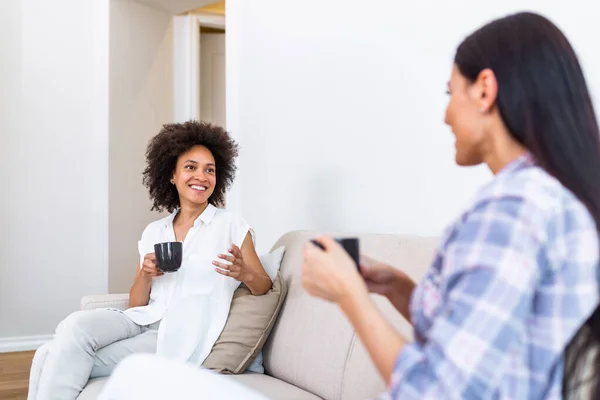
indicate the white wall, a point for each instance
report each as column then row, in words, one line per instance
column 141, row 101
column 54, row 152
column 84, row 87
column 339, row 106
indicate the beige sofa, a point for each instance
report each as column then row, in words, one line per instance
column 312, row 352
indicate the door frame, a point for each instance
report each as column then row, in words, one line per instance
column 186, row 75
column 186, row 61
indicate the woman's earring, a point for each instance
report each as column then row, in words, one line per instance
column 172, row 182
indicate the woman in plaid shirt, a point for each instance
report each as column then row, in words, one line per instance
column 515, row 283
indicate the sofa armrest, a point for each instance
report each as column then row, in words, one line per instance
column 119, row 301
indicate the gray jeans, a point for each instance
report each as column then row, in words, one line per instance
column 89, row 344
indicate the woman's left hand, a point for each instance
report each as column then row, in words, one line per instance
column 237, row 269
column 331, row 273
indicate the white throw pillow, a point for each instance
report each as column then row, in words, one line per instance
column 271, row 263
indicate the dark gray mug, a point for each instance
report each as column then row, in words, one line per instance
column 168, row 256
column 350, row 245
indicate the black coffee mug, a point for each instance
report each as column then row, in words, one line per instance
column 350, row 245
column 168, row 256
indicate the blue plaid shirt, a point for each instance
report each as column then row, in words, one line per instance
column 513, row 280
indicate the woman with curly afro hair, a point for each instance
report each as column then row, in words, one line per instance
column 178, row 314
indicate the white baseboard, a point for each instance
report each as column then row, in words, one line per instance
column 22, row 343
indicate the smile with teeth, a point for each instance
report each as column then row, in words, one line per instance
column 198, row 188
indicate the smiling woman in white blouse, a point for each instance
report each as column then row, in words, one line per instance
column 189, row 168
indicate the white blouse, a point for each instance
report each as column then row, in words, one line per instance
column 192, row 303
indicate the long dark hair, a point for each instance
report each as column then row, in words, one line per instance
column 544, row 101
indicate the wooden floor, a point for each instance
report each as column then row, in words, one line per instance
column 14, row 375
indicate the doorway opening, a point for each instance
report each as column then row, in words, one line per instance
column 211, row 63
column 212, row 76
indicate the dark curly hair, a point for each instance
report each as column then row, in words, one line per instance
column 172, row 141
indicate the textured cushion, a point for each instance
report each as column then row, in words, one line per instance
column 250, row 321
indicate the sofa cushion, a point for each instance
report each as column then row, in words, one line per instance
column 310, row 340
column 39, row 359
column 93, row 388
column 312, row 345
column 268, row 386
column 413, row 255
column 273, row 388
column 248, row 326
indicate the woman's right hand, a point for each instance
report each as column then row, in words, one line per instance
column 389, row 282
column 149, row 267
column 139, row 295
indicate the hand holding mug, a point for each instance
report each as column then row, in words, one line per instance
column 149, row 267
column 388, row 281
column 330, row 270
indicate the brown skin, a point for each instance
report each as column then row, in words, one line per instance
column 139, row 295
column 196, row 169
column 245, row 267
column 481, row 137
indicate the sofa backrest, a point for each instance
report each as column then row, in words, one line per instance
column 312, row 345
